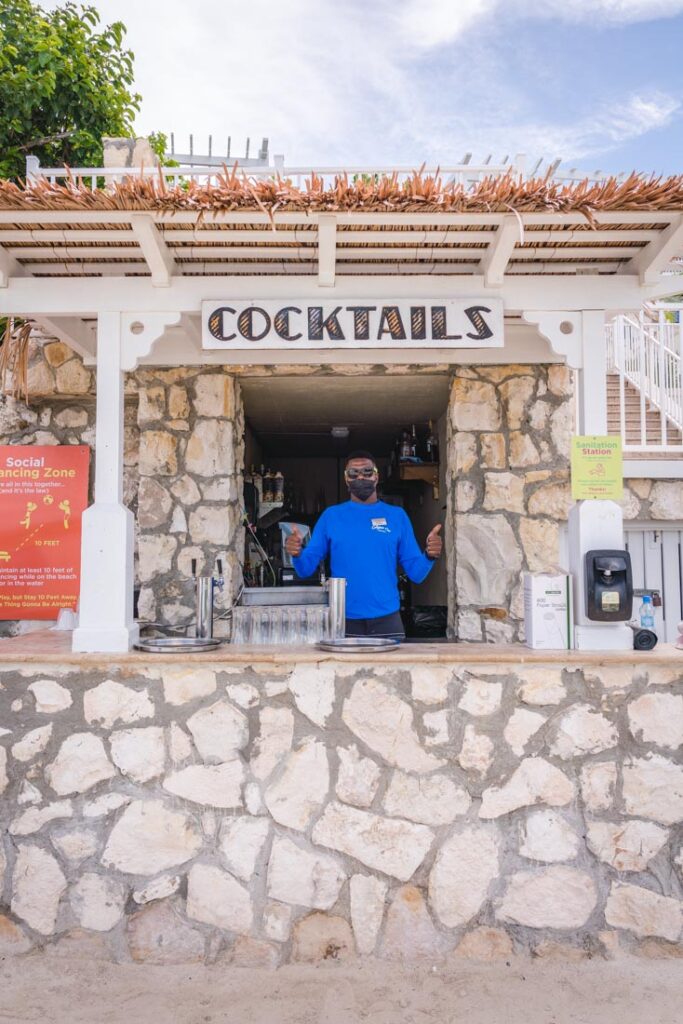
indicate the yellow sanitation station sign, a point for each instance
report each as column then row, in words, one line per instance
column 597, row 470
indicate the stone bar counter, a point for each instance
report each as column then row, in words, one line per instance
column 260, row 806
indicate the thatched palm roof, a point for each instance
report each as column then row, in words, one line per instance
column 233, row 190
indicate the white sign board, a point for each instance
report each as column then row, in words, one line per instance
column 301, row 324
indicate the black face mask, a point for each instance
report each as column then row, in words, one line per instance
column 362, row 489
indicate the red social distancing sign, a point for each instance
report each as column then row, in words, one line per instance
column 43, row 492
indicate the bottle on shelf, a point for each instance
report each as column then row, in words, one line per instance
column 257, row 480
column 413, row 442
column 404, row 450
column 647, row 613
column 432, row 445
column 278, row 487
column 268, row 486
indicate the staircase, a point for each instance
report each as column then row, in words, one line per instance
column 645, row 373
column 632, row 411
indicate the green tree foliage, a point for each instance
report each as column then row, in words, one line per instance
column 64, row 84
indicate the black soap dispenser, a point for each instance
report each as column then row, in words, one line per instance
column 609, row 586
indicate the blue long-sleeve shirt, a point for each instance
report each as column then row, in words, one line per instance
column 365, row 543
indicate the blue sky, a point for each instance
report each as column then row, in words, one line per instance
column 398, row 82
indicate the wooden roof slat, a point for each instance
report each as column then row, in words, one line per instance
column 498, row 225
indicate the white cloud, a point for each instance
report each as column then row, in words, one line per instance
column 612, row 11
column 592, row 136
column 367, row 81
column 432, row 23
column 436, row 22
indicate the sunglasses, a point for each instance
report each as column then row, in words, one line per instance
column 356, row 474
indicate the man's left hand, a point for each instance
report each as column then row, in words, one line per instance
column 434, row 542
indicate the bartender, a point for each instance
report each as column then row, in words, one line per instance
column 366, row 540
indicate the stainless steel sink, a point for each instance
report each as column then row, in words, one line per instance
column 177, row 644
column 283, row 596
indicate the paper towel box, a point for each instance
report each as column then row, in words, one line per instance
column 548, row 621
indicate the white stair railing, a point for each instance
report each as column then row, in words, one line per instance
column 648, row 355
column 206, row 170
column 97, row 177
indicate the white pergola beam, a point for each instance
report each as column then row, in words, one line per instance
column 200, row 254
column 601, row 252
column 413, row 236
column 497, row 256
column 278, row 267
column 28, row 217
column 9, row 267
column 74, row 332
column 327, row 247
column 656, row 256
column 74, row 296
column 157, row 256
column 398, row 270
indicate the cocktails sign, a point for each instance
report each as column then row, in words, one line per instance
column 377, row 323
column 43, row 492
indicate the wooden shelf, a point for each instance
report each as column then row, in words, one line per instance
column 422, row 472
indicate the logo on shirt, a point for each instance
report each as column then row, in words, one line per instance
column 380, row 525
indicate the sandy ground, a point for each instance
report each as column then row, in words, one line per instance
column 627, row 991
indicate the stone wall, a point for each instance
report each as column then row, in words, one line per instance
column 191, row 463
column 508, row 474
column 61, row 410
column 508, row 446
column 260, row 814
column 509, row 491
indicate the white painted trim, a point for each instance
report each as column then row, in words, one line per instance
column 327, row 244
column 654, row 469
column 657, row 255
column 74, row 332
column 154, row 249
column 668, row 284
column 663, row 525
column 569, row 345
column 592, row 376
column 256, row 216
column 414, row 236
column 444, row 265
column 140, row 333
column 495, row 259
column 65, row 235
column 181, row 346
column 561, row 254
column 79, row 297
column 106, row 593
column 9, row 267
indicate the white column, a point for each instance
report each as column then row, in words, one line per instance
column 592, row 376
column 106, row 597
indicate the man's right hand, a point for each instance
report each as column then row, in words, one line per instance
column 294, row 543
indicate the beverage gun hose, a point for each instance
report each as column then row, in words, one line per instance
column 252, row 532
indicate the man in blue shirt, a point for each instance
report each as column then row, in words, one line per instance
column 366, row 540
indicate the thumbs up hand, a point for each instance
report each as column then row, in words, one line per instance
column 434, row 542
column 294, row 543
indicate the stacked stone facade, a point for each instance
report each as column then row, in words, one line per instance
column 190, row 464
column 508, row 489
column 509, row 437
column 258, row 814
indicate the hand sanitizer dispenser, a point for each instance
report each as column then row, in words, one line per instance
column 601, row 573
column 609, row 586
